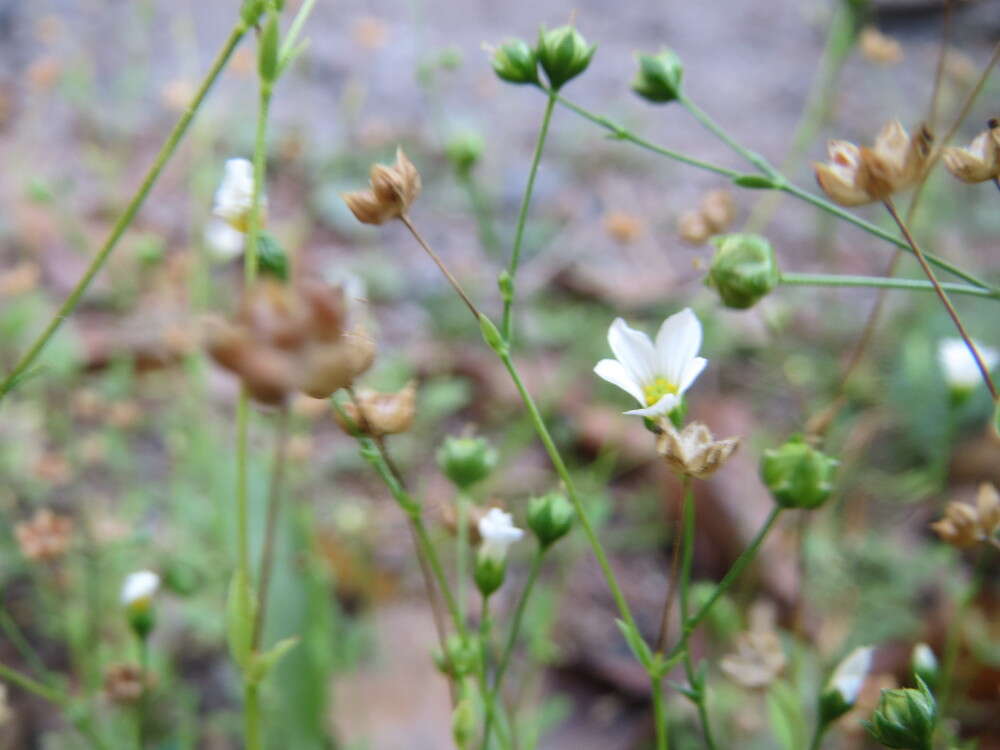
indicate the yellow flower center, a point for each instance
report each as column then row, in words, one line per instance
column 657, row 390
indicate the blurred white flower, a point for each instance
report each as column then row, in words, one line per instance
column 850, row 674
column 139, row 589
column 234, row 198
column 223, row 242
column 656, row 376
column 498, row 532
column 959, row 366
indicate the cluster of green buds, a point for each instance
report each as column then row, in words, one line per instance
column 905, row 718
column 659, row 77
column 466, row 460
column 562, row 53
column 798, row 475
column 744, row 269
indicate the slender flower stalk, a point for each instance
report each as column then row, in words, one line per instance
column 251, row 691
column 506, row 325
column 882, row 282
column 778, row 182
column 125, row 220
column 943, row 295
column 695, row 682
column 271, row 524
column 440, row 264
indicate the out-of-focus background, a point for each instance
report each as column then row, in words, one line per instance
column 127, row 431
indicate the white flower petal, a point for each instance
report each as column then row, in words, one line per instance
column 677, row 343
column 692, row 371
column 850, row 674
column 634, row 350
column 615, row 373
column 660, row 409
column 139, row 586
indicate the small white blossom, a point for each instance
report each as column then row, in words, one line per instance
column 223, row 242
column 234, row 198
column 139, row 588
column 959, row 366
column 498, row 532
column 656, row 376
column 850, row 674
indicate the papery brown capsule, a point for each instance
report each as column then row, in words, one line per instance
column 393, row 189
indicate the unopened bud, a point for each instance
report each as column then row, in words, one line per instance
column 563, row 54
column 659, row 76
column 743, row 270
column 925, row 665
column 798, row 475
column 464, row 150
column 905, row 718
column 464, row 722
column 489, row 573
column 459, row 658
column 550, row 517
column 515, row 62
column 466, row 460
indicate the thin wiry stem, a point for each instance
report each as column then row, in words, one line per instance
column 167, row 151
column 668, row 602
column 440, row 264
column 506, row 326
column 271, row 524
column 943, row 295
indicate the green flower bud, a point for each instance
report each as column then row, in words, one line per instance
column 464, row 722
column 466, row 460
column 563, row 54
column 267, row 50
column 515, row 62
column 925, row 665
column 489, row 573
column 798, row 475
column 659, row 76
column 464, row 150
column 251, row 11
column 905, row 718
column 459, row 658
column 743, row 270
column 550, row 517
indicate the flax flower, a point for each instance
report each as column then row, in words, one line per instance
column 656, row 375
column 234, row 198
column 498, row 532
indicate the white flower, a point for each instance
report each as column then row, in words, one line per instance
column 850, row 674
column 959, row 366
column 139, row 589
column 498, row 532
column 656, row 376
column 223, row 242
column 234, row 198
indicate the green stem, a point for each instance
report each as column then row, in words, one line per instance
column 515, row 257
column 271, row 526
column 252, row 711
column 143, row 706
column 508, row 649
column 881, row 282
column 461, row 547
column 126, row 218
column 953, row 637
column 727, row 580
column 375, row 454
column 751, row 156
column 780, row 183
column 659, row 713
column 817, row 738
column 571, row 491
column 623, row 134
column 695, row 682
